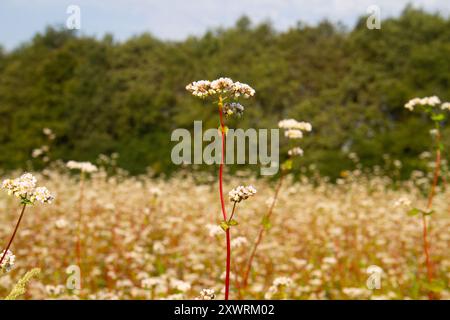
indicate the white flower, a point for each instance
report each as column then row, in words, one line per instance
column 155, row 192
column 42, row 195
column 242, row 89
column 180, row 285
column 25, row 188
column 402, row 202
column 8, row 261
column 61, row 223
column 434, row 132
column 207, row 294
column 233, row 108
column 241, row 193
column 149, row 283
column 37, row 153
column 445, row 106
column 82, row 166
column 239, row 242
column 214, row 230
column 356, row 292
column 47, row 131
column 282, row 281
column 205, row 88
column 55, row 290
column 294, row 124
column 427, row 101
column 201, row 88
column 293, row 134
column 20, row 187
column 295, row 152
column 222, row 85
column 425, row 155
column 329, row 260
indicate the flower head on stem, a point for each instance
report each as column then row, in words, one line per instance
column 25, row 189
column 429, row 105
column 223, row 88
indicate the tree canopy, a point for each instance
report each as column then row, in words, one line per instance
column 103, row 96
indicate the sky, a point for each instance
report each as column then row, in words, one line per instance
column 177, row 19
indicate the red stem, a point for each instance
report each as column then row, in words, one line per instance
column 80, row 219
column 222, row 202
column 426, row 245
column 14, row 234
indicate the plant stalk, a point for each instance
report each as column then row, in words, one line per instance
column 222, row 202
column 14, row 233
column 260, row 234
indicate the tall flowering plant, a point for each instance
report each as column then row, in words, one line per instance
column 293, row 130
column 84, row 168
column 26, row 190
column 226, row 91
column 436, row 111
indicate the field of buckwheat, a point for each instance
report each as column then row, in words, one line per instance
column 148, row 238
column 94, row 232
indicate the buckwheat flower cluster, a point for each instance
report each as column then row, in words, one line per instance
column 242, row 89
column 427, row 101
column 445, row 106
column 294, row 124
column 214, row 230
column 222, row 85
column 49, row 133
column 282, row 281
column 233, row 108
column 294, row 129
column 297, row 151
column 205, row 88
column 402, row 202
column 82, row 166
column 278, row 286
column 149, row 283
column 293, row 134
column 201, row 89
column 239, row 242
column 8, row 262
column 20, row 187
column 42, row 195
column 241, row 193
column 25, row 188
column 180, row 285
column 55, row 290
column 207, row 294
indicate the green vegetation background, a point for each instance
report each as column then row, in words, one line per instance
column 100, row 96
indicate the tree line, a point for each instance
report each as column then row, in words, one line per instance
column 104, row 96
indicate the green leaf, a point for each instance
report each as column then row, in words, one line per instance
column 414, row 212
column 287, row 165
column 435, row 286
column 224, row 225
column 429, row 213
column 225, row 130
column 266, row 223
column 25, row 201
column 232, row 223
column 438, row 117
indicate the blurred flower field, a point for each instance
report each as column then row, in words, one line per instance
column 153, row 238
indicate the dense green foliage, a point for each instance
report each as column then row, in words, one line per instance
column 100, row 96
